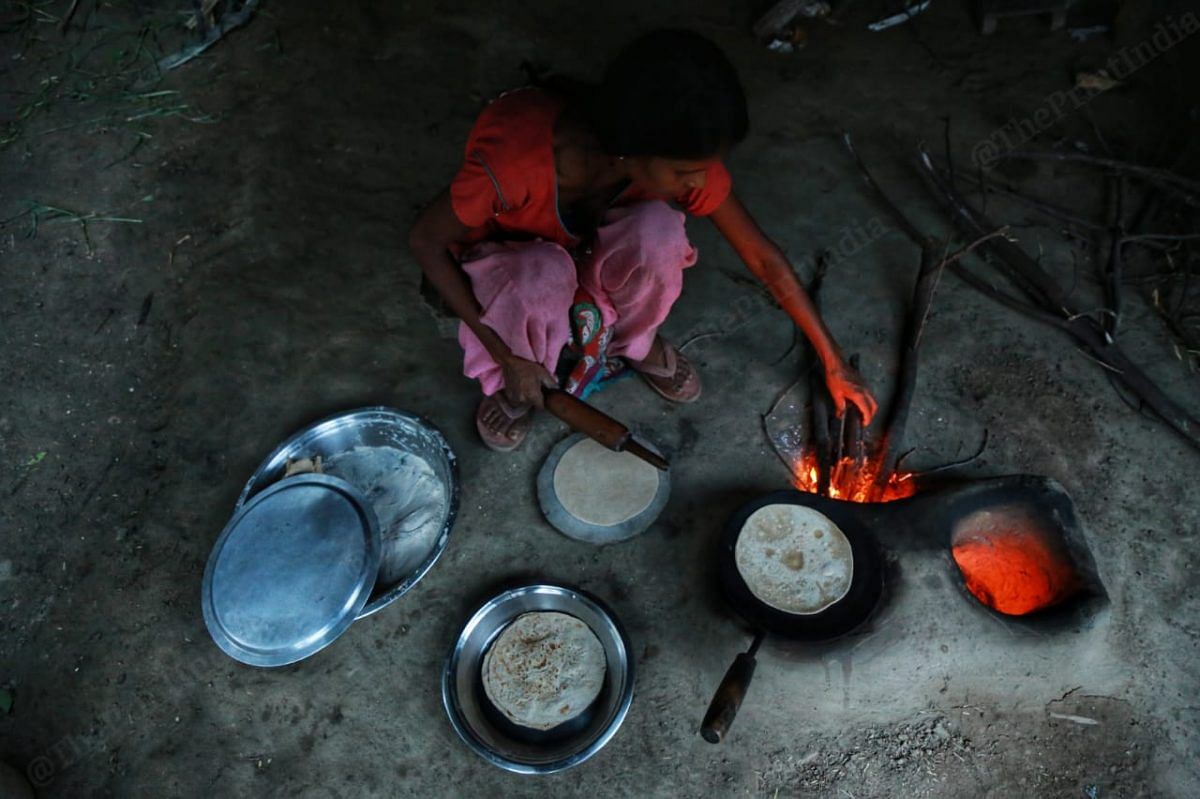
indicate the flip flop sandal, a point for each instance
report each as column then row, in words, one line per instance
column 520, row 422
column 676, row 380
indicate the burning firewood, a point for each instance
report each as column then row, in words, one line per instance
column 843, row 459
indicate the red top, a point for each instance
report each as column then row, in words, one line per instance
column 508, row 182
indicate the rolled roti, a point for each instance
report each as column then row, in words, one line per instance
column 602, row 487
column 544, row 669
column 794, row 558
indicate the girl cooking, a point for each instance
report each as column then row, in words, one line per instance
column 565, row 225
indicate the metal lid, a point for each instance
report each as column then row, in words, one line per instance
column 291, row 570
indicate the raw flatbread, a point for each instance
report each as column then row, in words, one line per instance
column 794, row 558
column 544, row 669
column 409, row 501
column 602, row 487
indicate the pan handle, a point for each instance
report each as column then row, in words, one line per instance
column 728, row 698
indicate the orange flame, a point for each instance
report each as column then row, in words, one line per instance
column 853, row 481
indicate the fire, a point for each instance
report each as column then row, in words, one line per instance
column 853, row 481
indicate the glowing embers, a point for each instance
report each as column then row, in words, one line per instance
column 852, row 480
column 1012, row 561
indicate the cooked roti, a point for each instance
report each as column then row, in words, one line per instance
column 544, row 669
column 602, row 487
column 794, row 558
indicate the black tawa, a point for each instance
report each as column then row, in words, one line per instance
column 843, row 616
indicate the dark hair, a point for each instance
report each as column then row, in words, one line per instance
column 673, row 94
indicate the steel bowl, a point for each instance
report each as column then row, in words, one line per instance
column 545, row 752
column 373, row 427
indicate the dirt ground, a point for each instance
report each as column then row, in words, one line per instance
column 195, row 265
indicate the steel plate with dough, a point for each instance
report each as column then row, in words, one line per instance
column 373, row 429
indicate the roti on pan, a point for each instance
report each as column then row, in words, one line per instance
column 602, row 487
column 544, row 669
column 794, row 558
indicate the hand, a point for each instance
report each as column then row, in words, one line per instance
column 524, row 381
column 846, row 385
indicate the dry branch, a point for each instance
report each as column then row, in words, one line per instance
column 928, row 277
column 1046, row 208
column 1116, row 241
column 1086, row 331
column 820, row 404
column 1186, row 188
column 1046, row 301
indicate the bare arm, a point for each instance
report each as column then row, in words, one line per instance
column 768, row 263
column 435, row 230
column 430, row 238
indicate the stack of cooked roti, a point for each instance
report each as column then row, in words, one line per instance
column 544, row 669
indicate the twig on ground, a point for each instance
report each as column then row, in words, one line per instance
column 104, row 321
column 791, row 347
column 913, row 232
column 946, row 147
column 1087, row 112
column 955, row 464
column 951, row 260
column 1185, row 187
column 66, row 19
column 1114, row 270
column 1130, row 402
column 782, row 394
column 1161, row 237
column 228, row 22
column 1049, row 210
column 906, row 381
column 698, row 337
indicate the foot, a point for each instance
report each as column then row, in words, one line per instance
column 502, row 426
column 669, row 373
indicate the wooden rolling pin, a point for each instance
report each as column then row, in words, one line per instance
column 599, row 426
